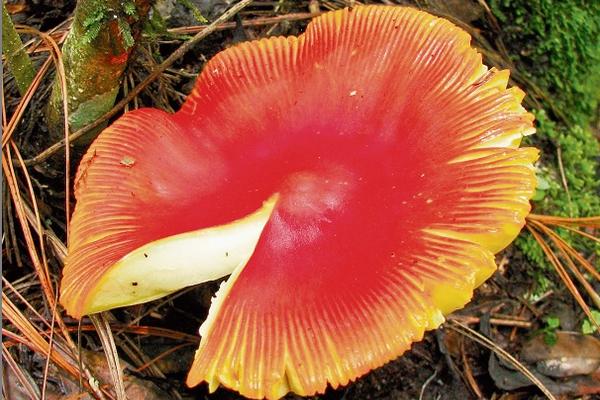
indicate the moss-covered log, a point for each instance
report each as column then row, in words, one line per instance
column 95, row 56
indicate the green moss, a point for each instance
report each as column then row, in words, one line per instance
column 93, row 23
column 194, row 10
column 578, row 151
column 98, row 19
column 557, row 48
column 554, row 45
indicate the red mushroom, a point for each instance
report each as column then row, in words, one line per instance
column 355, row 181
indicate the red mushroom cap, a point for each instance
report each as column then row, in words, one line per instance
column 355, row 180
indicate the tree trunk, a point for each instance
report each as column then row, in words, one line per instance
column 95, row 54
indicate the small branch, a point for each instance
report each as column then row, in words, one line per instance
column 247, row 23
column 469, row 320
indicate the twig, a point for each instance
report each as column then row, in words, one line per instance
column 247, row 23
column 467, row 319
column 184, row 48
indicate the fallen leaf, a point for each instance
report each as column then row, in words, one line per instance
column 572, row 354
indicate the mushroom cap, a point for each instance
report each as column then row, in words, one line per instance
column 355, row 181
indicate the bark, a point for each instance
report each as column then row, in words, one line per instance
column 95, row 56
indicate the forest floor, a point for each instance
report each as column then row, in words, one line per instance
column 157, row 340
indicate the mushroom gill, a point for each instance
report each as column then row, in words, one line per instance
column 355, row 180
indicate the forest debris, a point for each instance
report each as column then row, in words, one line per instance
column 17, row 382
column 570, row 367
column 128, row 161
column 572, row 354
column 135, row 388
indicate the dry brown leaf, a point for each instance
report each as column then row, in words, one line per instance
column 573, row 354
